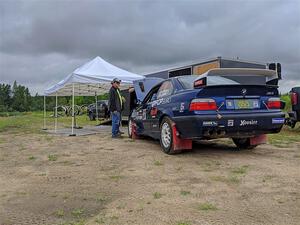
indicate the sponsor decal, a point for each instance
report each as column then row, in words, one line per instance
column 278, row 120
column 161, row 101
column 230, row 123
column 248, row 122
column 210, row 123
column 181, row 109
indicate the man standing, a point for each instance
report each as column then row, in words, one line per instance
column 115, row 107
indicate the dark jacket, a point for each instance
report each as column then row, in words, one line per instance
column 114, row 103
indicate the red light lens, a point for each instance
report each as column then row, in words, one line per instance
column 200, row 82
column 274, row 103
column 203, row 104
column 294, row 98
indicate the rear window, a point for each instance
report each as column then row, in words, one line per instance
column 187, row 82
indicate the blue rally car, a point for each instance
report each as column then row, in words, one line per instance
column 242, row 104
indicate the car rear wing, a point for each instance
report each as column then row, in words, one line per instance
column 237, row 76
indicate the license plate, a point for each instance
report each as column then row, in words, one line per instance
column 246, row 104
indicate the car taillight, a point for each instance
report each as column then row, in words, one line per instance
column 203, row 104
column 294, row 98
column 274, row 103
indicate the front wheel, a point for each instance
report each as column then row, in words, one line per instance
column 243, row 143
column 166, row 135
column 132, row 133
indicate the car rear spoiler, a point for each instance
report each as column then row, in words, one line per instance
column 270, row 75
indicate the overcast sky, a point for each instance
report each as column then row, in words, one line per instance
column 43, row 41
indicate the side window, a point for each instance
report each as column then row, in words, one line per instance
column 165, row 89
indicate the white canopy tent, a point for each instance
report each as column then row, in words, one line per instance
column 91, row 79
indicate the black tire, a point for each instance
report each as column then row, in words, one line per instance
column 166, row 135
column 129, row 129
column 243, row 143
column 91, row 116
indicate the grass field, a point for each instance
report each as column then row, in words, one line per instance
column 32, row 122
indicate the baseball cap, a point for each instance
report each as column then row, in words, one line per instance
column 116, row 80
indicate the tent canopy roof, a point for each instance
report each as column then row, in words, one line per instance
column 92, row 78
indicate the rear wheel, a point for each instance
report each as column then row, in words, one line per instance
column 166, row 135
column 243, row 143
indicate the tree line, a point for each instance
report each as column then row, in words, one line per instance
column 18, row 98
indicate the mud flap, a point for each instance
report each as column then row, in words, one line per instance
column 180, row 143
column 258, row 140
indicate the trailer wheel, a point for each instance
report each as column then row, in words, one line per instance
column 243, row 143
column 166, row 135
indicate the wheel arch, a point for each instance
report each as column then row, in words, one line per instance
column 162, row 117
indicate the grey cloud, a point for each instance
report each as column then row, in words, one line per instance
column 143, row 36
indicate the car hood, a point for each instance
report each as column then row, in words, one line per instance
column 143, row 86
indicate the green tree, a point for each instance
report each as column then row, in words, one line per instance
column 5, row 97
column 21, row 100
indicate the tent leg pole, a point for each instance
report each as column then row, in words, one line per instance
column 55, row 127
column 73, row 112
column 96, row 106
column 44, row 128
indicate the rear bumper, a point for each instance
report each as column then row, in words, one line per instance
column 229, row 125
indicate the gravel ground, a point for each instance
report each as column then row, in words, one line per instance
column 48, row 179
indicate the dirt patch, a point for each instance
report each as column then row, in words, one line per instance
column 48, row 179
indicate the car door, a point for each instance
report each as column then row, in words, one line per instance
column 155, row 109
column 143, row 114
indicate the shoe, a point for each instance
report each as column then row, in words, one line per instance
column 121, row 132
column 116, row 136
